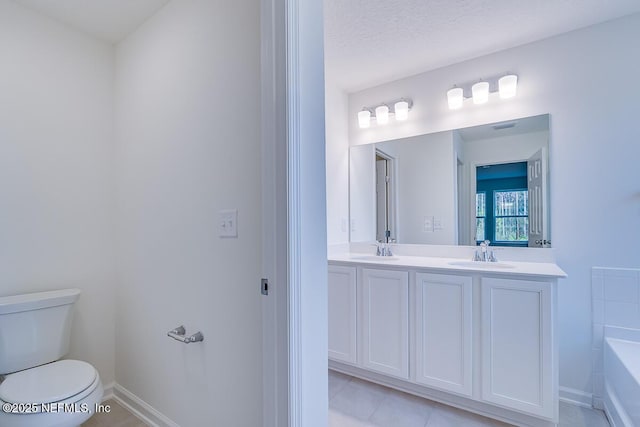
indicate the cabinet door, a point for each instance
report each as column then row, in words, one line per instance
column 342, row 313
column 443, row 332
column 385, row 321
column 517, row 345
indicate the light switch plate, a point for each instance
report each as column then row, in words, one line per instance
column 228, row 223
column 428, row 224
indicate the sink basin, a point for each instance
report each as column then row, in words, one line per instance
column 374, row 258
column 481, row 264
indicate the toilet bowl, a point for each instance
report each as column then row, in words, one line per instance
column 38, row 389
column 59, row 394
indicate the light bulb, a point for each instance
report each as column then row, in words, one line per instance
column 480, row 92
column 455, row 97
column 508, row 86
column 401, row 109
column 382, row 114
column 364, row 118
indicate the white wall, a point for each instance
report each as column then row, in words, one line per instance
column 188, row 145
column 56, row 172
column 337, row 157
column 585, row 80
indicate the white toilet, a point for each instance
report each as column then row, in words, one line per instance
column 34, row 335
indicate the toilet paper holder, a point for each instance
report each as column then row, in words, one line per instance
column 179, row 334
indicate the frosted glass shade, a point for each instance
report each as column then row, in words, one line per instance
column 455, row 97
column 382, row 115
column 401, row 109
column 480, row 92
column 508, row 86
column 364, row 118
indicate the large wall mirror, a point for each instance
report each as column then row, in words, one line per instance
column 488, row 182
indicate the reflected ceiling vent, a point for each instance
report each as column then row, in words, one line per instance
column 502, row 126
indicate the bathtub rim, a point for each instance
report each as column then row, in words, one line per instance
column 613, row 407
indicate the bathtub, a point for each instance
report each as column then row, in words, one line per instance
column 622, row 378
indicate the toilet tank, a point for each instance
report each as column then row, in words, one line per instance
column 35, row 328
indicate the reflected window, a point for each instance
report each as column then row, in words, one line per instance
column 511, row 216
column 502, row 204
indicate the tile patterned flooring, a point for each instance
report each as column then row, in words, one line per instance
column 357, row 403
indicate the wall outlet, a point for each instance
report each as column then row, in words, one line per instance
column 228, row 223
column 437, row 225
column 353, row 225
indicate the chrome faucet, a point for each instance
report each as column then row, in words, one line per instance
column 485, row 255
column 383, row 249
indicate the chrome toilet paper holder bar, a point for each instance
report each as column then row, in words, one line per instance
column 179, row 334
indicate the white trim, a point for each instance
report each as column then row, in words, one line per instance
column 306, row 250
column 576, row 397
column 108, row 391
column 274, row 214
column 294, row 216
column 141, row 409
column 598, row 403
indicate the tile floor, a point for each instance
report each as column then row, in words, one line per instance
column 357, row 403
column 118, row 417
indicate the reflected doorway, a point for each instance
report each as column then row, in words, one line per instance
column 385, row 212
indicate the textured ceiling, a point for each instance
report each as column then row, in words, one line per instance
column 108, row 20
column 370, row 42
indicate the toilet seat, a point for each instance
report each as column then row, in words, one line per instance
column 64, row 381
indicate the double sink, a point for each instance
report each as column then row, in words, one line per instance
column 460, row 263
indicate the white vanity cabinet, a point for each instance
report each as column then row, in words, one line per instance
column 482, row 340
column 385, row 321
column 443, row 332
column 342, row 313
column 518, row 346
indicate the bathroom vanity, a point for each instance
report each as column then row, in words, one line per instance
column 476, row 335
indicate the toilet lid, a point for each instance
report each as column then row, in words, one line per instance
column 48, row 383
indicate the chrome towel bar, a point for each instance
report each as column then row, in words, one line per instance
column 179, row 334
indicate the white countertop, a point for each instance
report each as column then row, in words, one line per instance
column 538, row 269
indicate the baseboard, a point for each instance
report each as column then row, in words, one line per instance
column 598, row 403
column 576, row 397
column 108, row 391
column 141, row 409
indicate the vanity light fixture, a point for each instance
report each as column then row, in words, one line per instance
column 455, row 97
column 364, row 119
column 480, row 92
column 401, row 109
column 381, row 113
column 508, row 86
